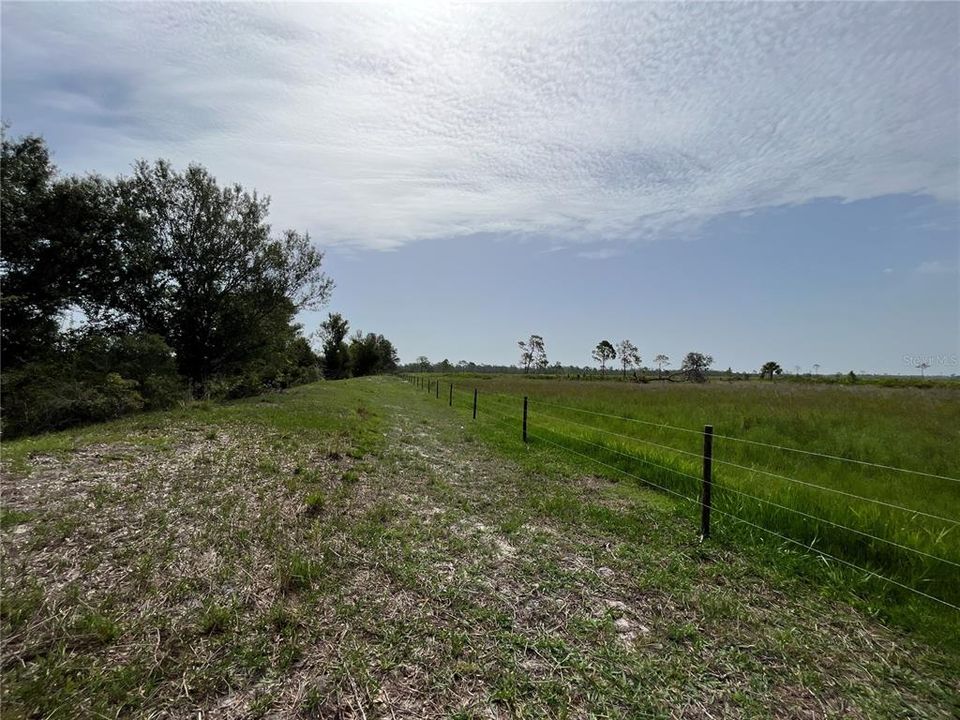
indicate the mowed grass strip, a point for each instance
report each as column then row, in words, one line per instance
column 903, row 427
column 351, row 549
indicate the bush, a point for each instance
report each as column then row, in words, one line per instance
column 40, row 397
column 93, row 378
column 163, row 391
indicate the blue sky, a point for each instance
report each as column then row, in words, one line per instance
column 752, row 181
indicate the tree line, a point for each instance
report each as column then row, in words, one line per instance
column 694, row 367
column 366, row 354
column 140, row 291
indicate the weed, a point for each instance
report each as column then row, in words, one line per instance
column 315, row 504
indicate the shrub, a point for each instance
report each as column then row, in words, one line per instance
column 41, row 397
column 92, row 378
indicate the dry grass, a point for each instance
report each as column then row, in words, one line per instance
column 242, row 568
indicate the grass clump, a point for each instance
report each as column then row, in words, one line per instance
column 299, row 572
column 10, row 517
column 94, row 628
column 316, row 503
column 214, row 619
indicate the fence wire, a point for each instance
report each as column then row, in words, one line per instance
column 501, row 419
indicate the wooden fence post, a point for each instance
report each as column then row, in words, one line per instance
column 438, row 389
column 451, row 395
column 474, row 403
column 706, row 499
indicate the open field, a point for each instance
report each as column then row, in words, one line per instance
column 357, row 549
column 901, row 525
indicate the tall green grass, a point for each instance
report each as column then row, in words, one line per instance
column 906, row 527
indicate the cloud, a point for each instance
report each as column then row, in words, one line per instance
column 376, row 127
column 602, row 254
column 934, row 267
column 888, row 271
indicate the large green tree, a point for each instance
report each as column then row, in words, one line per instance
column 57, row 248
column 201, row 268
column 336, row 353
column 371, row 354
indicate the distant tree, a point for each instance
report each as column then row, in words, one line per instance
column 816, row 368
column 371, row 354
column 770, row 369
column 336, row 354
column 661, row 360
column 629, row 356
column 603, row 353
column 423, row 362
column 922, row 366
column 532, row 353
column 695, row 366
column 444, row 366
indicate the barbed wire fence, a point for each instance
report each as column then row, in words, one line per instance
column 699, row 487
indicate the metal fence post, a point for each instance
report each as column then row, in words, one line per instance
column 524, row 418
column 705, row 500
column 451, row 395
column 474, row 403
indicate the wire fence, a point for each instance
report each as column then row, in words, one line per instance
column 917, row 555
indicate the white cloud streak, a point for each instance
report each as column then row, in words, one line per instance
column 375, row 126
column 934, row 267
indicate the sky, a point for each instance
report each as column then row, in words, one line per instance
column 753, row 181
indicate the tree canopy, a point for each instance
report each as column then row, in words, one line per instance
column 603, row 353
column 178, row 283
column 695, row 366
column 770, row 369
column 629, row 355
column 532, row 353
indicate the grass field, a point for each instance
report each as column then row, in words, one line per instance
column 358, row 549
column 811, row 499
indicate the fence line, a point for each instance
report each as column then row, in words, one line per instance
column 727, row 488
column 840, row 492
column 618, row 417
column 627, row 437
column 736, row 518
column 705, row 501
column 750, row 442
column 750, row 468
column 839, row 458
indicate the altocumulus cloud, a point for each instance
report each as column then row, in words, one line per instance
column 376, row 126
